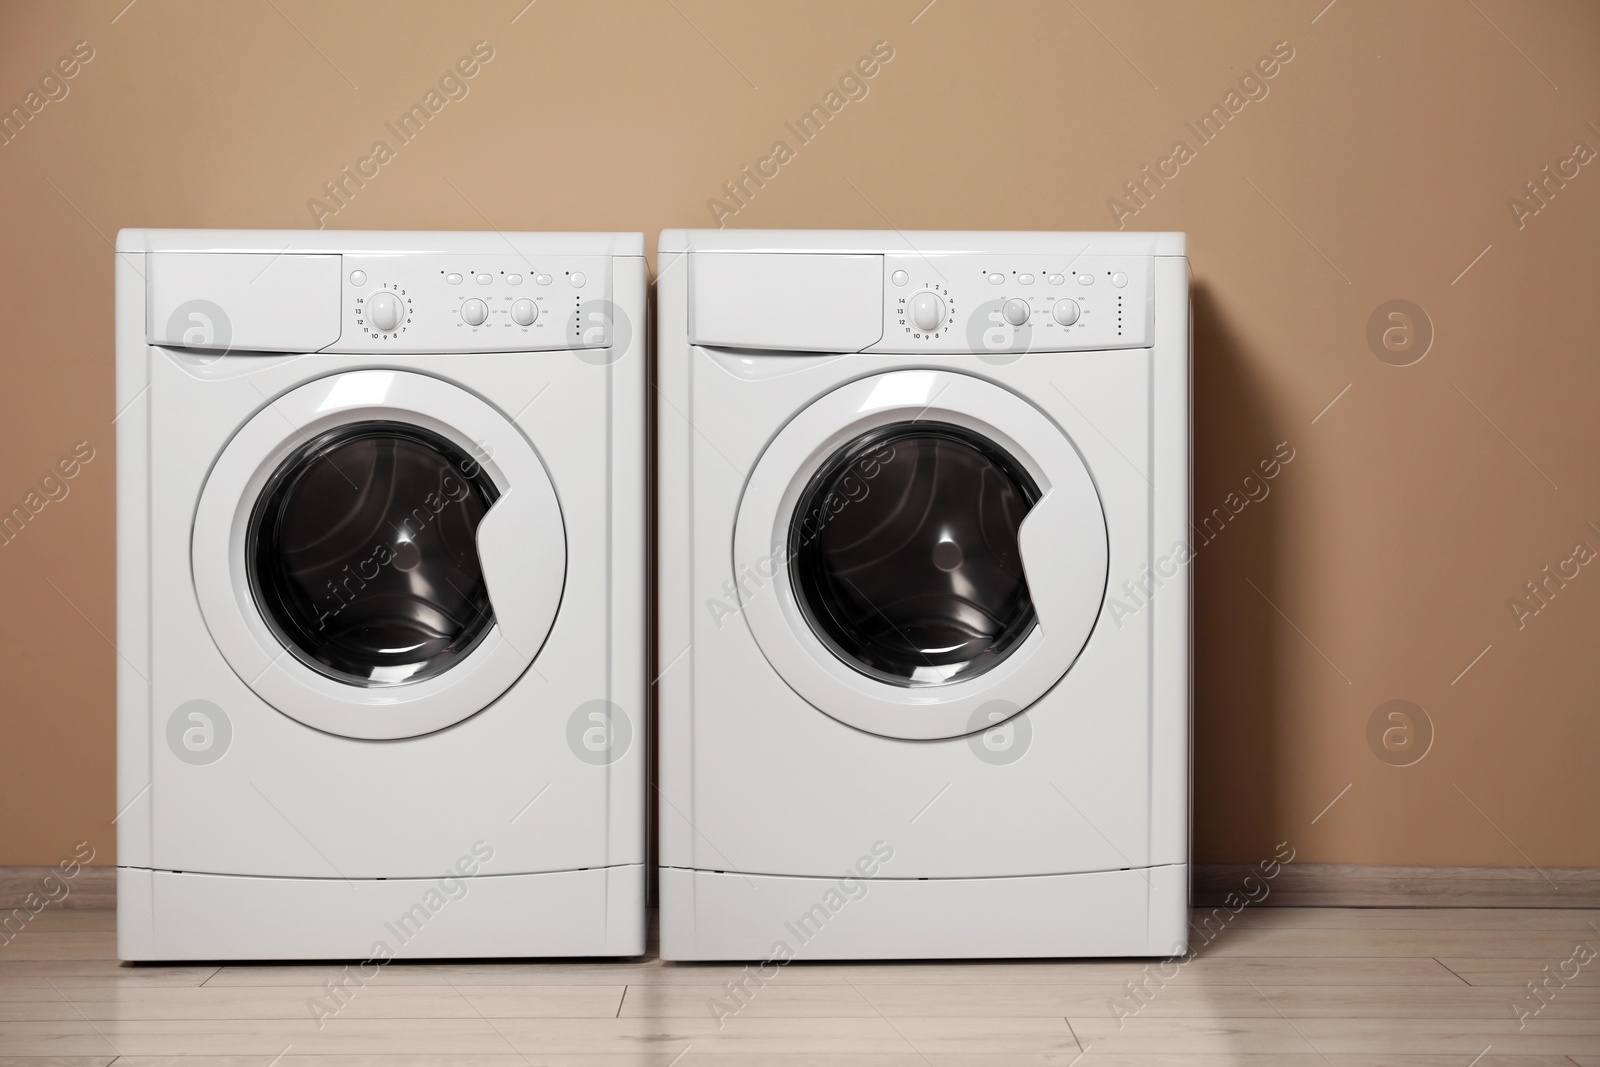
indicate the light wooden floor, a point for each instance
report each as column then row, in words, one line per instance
column 1279, row 986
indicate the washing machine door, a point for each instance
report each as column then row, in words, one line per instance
column 921, row 554
column 379, row 554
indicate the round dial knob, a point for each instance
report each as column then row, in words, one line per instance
column 384, row 311
column 474, row 312
column 524, row 312
column 1015, row 311
column 927, row 311
column 1065, row 312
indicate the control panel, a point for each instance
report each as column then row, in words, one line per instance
column 1005, row 305
column 410, row 303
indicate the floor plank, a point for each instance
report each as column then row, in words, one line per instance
column 97, row 1003
column 1408, row 1002
column 1519, row 970
column 1497, row 920
column 1461, row 1037
column 101, row 970
column 694, row 1058
column 1231, row 941
column 84, row 944
column 816, row 1036
column 1285, row 987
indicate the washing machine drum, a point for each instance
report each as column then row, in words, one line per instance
column 936, row 552
column 904, row 553
column 379, row 554
column 363, row 553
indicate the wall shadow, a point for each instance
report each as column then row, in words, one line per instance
column 1237, row 715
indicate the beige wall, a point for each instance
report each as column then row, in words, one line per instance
column 1377, row 167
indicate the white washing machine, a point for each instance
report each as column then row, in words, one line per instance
column 381, row 576
column 899, row 716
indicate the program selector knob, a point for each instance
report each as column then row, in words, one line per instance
column 524, row 312
column 1065, row 312
column 927, row 311
column 474, row 312
column 1015, row 311
column 384, row 311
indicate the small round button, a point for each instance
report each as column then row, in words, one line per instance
column 1025, row 279
column 1016, row 311
column 1055, row 279
column 474, row 312
column 996, row 279
column 927, row 311
column 513, row 279
column 524, row 312
column 542, row 279
column 384, row 310
column 577, row 279
column 1086, row 279
column 484, row 279
column 358, row 277
column 900, row 277
column 1119, row 279
column 452, row 278
column 1065, row 312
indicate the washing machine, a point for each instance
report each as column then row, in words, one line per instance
column 381, row 561
column 924, row 594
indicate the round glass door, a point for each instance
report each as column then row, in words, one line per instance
column 917, row 548
column 363, row 558
column 904, row 553
column 379, row 554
